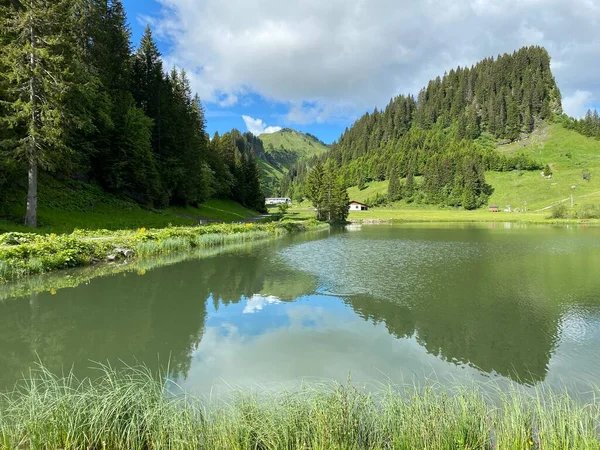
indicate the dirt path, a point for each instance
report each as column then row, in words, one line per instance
column 566, row 200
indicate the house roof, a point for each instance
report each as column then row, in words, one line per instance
column 357, row 203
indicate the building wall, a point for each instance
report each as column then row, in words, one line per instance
column 357, row 208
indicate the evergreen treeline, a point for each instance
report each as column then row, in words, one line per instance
column 441, row 135
column 75, row 99
column 588, row 125
column 327, row 192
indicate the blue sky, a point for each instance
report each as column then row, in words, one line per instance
column 317, row 65
column 223, row 119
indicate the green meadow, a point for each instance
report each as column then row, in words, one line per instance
column 573, row 158
column 67, row 206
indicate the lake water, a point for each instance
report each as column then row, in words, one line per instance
column 513, row 303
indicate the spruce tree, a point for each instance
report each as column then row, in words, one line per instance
column 334, row 195
column 394, row 185
column 254, row 197
column 361, row 180
column 513, row 124
column 314, row 189
column 409, row 189
column 40, row 64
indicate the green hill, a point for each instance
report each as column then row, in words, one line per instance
column 569, row 155
column 283, row 149
column 300, row 145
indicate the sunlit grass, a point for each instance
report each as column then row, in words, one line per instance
column 23, row 255
column 136, row 409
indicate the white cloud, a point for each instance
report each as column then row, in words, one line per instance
column 258, row 127
column 577, row 104
column 345, row 56
column 257, row 302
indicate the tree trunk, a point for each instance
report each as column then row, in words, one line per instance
column 31, row 214
column 32, row 175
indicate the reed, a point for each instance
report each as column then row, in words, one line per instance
column 26, row 254
column 136, row 409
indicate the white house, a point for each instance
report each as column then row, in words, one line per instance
column 277, row 201
column 357, row 206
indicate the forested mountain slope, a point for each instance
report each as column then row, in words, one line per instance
column 76, row 102
column 573, row 159
column 290, row 146
column 283, row 152
column 433, row 148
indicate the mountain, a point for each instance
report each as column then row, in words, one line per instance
column 283, row 152
column 435, row 148
column 573, row 158
column 292, row 146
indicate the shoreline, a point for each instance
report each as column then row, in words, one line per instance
column 430, row 215
column 473, row 221
column 459, row 216
column 24, row 255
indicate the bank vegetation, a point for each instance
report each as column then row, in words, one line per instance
column 134, row 409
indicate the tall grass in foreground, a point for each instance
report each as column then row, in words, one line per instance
column 135, row 410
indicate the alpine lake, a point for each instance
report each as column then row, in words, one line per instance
column 516, row 304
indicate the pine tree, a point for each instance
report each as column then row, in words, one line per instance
column 528, row 120
column 254, row 197
column 394, row 185
column 314, row 189
column 513, row 125
column 334, row 195
column 121, row 157
column 361, row 180
column 40, row 64
column 409, row 188
column 473, row 130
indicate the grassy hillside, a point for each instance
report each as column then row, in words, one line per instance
column 302, row 145
column 270, row 176
column 66, row 206
column 569, row 155
column 284, row 149
column 369, row 192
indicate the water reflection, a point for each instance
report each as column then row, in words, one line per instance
column 382, row 302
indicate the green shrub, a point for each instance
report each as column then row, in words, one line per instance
column 588, row 212
column 586, row 175
column 29, row 254
column 559, row 211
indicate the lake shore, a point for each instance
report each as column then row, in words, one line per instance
column 425, row 215
column 137, row 409
column 26, row 254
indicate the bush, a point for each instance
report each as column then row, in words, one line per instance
column 559, row 211
column 588, row 212
column 547, row 170
column 586, row 175
column 282, row 208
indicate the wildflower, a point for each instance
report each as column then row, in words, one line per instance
column 52, row 291
column 530, row 442
column 141, row 272
column 141, row 230
column 249, row 225
column 52, row 235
